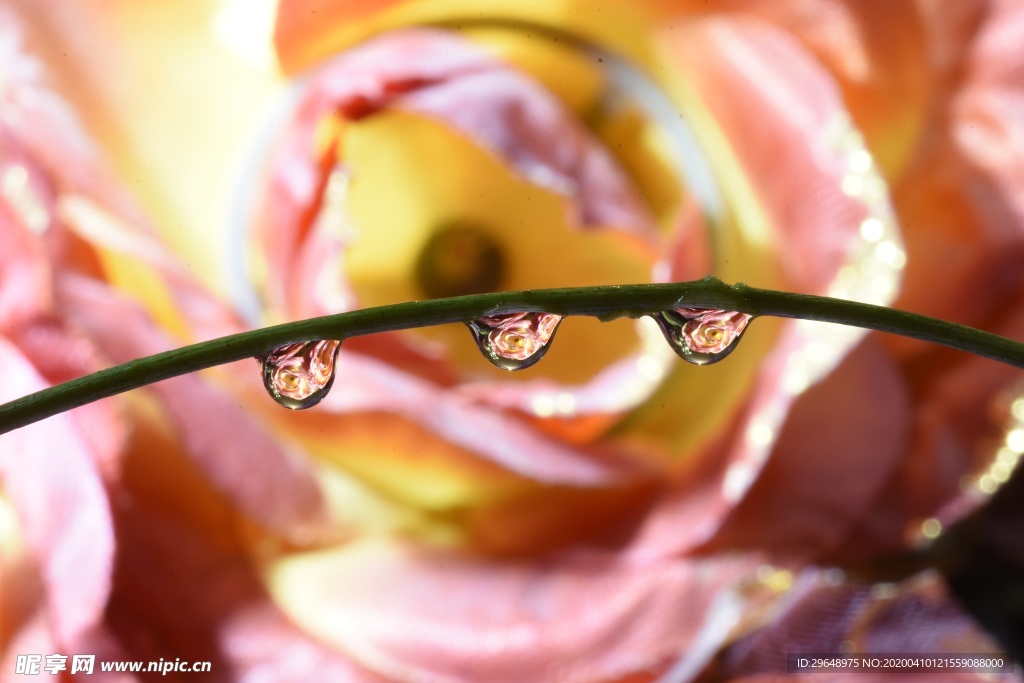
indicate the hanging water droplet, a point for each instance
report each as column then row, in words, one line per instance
column 702, row 335
column 299, row 375
column 514, row 341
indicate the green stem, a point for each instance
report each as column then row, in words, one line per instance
column 606, row 303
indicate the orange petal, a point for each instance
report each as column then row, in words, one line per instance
column 307, row 31
column 961, row 201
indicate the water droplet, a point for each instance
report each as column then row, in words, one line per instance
column 514, row 341
column 702, row 335
column 299, row 375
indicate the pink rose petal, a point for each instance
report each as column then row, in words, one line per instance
column 271, row 484
column 418, row 614
column 50, row 475
column 742, row 66
column 60, row 353
column 842, row 441
column 952, row 435
column 47, row 127
column 24, row 272
column 183, row 592
column 264, row 646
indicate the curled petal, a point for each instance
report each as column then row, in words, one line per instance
column 441, row 76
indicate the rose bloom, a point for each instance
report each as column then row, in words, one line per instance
column 172, row 172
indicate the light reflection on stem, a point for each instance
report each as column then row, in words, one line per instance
column 605, row 303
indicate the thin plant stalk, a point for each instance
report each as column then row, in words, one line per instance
column 605, row 303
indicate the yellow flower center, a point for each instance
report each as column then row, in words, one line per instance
column 460, row 259
column 288, row 381
column 515, row 342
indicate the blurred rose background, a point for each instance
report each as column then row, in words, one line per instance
column 176, row 171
